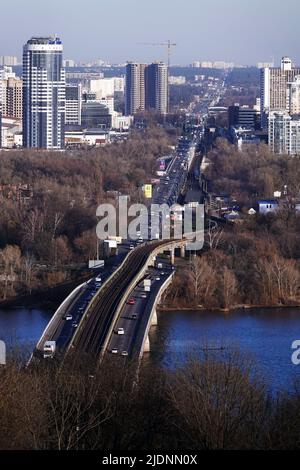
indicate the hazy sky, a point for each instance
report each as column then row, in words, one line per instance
column 243, row 31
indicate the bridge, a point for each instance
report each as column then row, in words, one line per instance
column 114, row 315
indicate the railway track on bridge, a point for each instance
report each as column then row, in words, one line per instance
column 95, row 325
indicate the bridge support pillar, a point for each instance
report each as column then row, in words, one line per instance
column 154, row 319
column 182, row 251
column 147, row 345
column 172, row 256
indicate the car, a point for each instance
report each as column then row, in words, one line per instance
column 120, row 331
column 98, row 279
column 114, row 351
column 134, row 316
column 131, row 247
column 131, row 301
column 74, row 324
column 144, row 295
column 124, row 353
column 67, row 317
column 157, row 278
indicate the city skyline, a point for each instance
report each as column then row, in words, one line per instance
column 199, row 31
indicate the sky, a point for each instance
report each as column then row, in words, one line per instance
column 240, row 31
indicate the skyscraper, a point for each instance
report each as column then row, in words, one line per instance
column 146, row 87
column 156, row 87
column 274, row 87
column 44, row 92
column 134, row 88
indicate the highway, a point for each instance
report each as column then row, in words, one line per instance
column 97, row 320
column 130, row 326
column 89, row 318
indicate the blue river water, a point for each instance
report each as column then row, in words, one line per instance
column 263, row 335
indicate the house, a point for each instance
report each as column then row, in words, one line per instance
column 266, row 206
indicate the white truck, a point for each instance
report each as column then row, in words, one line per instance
column 49, row 349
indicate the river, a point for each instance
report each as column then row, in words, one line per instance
column 265, row 335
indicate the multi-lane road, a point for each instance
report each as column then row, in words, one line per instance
column 127, row 336
column 88, row 324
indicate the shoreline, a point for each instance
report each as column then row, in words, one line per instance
column 200, row 308
column 54, row 294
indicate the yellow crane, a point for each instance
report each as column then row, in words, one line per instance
column 168, row 44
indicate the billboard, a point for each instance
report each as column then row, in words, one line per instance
column 148, row 191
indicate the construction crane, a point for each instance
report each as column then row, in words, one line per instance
column 169, row 44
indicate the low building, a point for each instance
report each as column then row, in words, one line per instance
column 265, row 206
column 179, row 80
column 95, row 114
column 76, row 136
column 11, row 132
column 243, row 116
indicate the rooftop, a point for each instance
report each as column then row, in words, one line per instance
column 44, row 40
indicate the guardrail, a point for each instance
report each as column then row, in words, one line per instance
column 163, row 287
column 49, row 330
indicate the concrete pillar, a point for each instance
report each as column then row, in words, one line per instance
column 154, row 318
column 147, row 344
column 182, row 251
column 172, row 256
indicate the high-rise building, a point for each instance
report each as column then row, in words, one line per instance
column 293, row 96
column 284, row 133
column 274, row 87
column 11, row 92
column 73, row 104
column 134, row 88
column 146, row 87
column 8, row 60
column 44, row 90
column 156, row 87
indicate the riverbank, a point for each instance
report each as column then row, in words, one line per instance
column 200, row 308
column 55, row 294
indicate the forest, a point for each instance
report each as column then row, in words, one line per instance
column 256, row 260
column 49, row 200
column 210, row 403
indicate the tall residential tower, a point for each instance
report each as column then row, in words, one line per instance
column 146, row 87
column 274, row 87
column 44, row 90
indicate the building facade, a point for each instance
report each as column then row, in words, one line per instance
column 134, row 88
column 146, row 87
column 9, row 60
column 243, row 116
column 156, row 87
column 44, row 93
column 274, row 87
column 73, row 104
column 293, row 96
column 12, row 97
column 284, row 133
